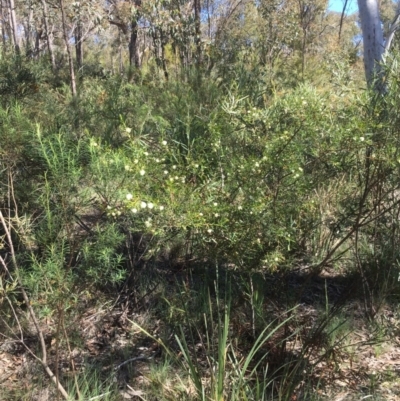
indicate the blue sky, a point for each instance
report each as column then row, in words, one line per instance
column 337, row 5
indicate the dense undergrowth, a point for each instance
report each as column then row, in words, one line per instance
column 194, row 203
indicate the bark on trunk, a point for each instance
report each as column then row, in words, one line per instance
column 134, row 57
column 28, row 32
column 120, row 55
column 79, row 45
column 13, row 20
column 38, row 37
column 394, row 27
column 372, row 39
column 197, row 41
column 69, row 54
column 163, row 60
column 133, row 46
column 3, row 29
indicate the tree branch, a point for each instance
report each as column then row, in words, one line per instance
column 393, row 28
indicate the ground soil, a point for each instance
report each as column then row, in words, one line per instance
column 364, row 364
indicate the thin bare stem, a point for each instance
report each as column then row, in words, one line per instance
column 43, row 359
column 71, row 360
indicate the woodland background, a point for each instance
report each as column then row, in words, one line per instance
column 198, row 200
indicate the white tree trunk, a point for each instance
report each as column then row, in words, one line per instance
column 13, row 19
column 394, row 27
column 372, row 38
column 69, row 54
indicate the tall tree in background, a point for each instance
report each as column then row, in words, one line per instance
column 372, row 37
column 375, row 46
column 134, row 58
column 309, row 11
column 14, row 26
column 78, row 35
column 68, row 47
column 49, row 35
column 84, row 19
column 197, row 33
column 28, row 29
column 287, row 39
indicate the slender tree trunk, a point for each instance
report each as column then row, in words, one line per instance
column 133, row 45
column 306, row 18
column 9, row 30
column 159, row 43
column 303, row 53
column 69, row 54
column 372, row 39
column 394, row 27
column 197, row 41
column 121, row 61
column 3, row 29
column 37, row 42
column 13, row 20
column 112, row 62
column 28, row 32
column 163, row 60
column 49, row 36
column 79, row 45
column 208, row 20
column 134, row 57
column 342, row 18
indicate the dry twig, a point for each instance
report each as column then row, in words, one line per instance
column 43, row 358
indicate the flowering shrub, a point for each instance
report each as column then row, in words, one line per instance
column 245, row 188
column 257, row 183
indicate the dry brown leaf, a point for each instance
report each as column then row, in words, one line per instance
column 341, row 396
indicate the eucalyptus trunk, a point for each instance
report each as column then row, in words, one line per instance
column 14, row 26
column 3, row 28
column 134, row 57
column 28, row 32
column 68, row 47
column 197, row 41
column 371, row 27
column 79, row 44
